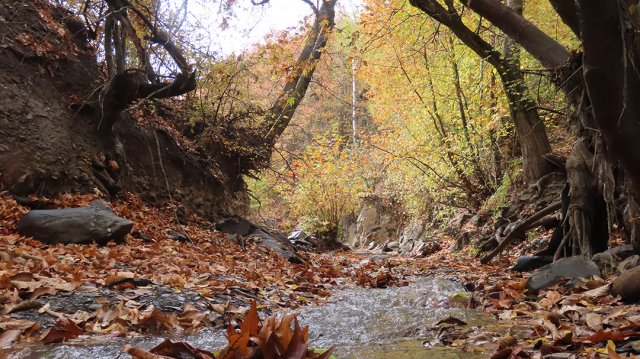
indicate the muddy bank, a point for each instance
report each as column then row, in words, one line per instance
column 48, row 138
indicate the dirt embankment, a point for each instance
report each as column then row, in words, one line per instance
column 48, row 143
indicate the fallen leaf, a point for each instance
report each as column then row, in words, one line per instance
column 9, row 337
column 64, row 329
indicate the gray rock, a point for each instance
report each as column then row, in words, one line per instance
column 629, row 263
column 236, row 225
column 610, row 259
column 81, row 225
column 277, row 244
column 427, row 248
column 379, row 257
column 565, row 268
column 622, row 252
column 393, row 245
column 605, row 261
column 297, row 234
column 100, row 204
column 413, row 231
column 180, row 237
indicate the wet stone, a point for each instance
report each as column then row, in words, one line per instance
column 84, row 298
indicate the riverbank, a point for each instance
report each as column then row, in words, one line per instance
column 154, row 286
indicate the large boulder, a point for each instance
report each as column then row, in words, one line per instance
column 376, row 222
column 609, row 260
column 566, row 268
column 81, row 225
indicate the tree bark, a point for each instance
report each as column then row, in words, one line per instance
column 279, row 116
column 540, row 45
column 613, row 86
column 610, row 102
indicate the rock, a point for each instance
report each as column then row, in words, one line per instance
column 243, row 228
column 278, row 245
column 629, row 263
column 100, row 204
column 413, row 231
column 432, row 247
column 236, row 225
column 529, row 263
column 379, row 257
column 565, row 268
column 299, row 238
column 297, row 234
column 142, row 235
column 181, row 216
column 622, row 252
column 627, row 285
column 81, row 225
column 180, row 237
column 610, row 259
column 605, row 261
column 393, row 245
column 377, row 222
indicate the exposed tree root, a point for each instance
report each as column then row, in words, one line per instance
column 519, row 228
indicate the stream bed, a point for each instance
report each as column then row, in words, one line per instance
column 362, row 323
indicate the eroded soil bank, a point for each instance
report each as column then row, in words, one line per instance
column 50, row 141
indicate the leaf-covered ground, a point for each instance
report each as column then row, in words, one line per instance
column 224, row 275
column 222, row 278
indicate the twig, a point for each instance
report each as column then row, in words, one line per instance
column 522, row 226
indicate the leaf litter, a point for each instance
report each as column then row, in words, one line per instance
column 560, row 321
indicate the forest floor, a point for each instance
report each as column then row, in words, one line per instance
column 155, row 284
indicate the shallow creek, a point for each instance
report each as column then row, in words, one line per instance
column 362, row 323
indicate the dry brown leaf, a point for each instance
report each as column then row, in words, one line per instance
column 137, row 353
column 39, row 292
column 598, row 292
column 507, row 342
column 594, row 321
column 64, row 329
column 9, row 337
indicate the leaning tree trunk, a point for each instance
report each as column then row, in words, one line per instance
column 284, row 107
column 528, row 123
column 529, row 127
column 609, row 103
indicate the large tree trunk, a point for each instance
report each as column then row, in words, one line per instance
column 613, row 86
column 605, row 99
column 529, row 128
column 528, row 123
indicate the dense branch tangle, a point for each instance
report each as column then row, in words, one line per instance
column 130, row 83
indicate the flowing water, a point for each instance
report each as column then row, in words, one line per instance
column 362, row 323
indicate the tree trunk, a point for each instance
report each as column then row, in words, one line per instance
column 613, row 86
column 609, row 104
column 530, row 129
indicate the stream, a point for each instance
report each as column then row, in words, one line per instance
column 362, row 323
